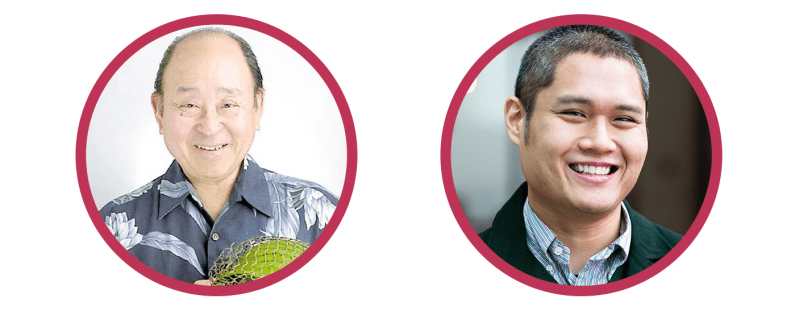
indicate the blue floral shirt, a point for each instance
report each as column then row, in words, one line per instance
column 165, row 226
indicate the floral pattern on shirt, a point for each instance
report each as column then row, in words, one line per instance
column 170, row 219
column 123, row 229
column 133, row 194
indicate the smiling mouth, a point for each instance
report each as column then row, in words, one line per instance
column 593, row 170
column 211, row 148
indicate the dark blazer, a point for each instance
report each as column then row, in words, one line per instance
column 507, row 238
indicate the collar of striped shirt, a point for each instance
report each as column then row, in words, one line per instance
column 554, row 255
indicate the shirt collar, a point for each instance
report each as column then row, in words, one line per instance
column 625, row 233
column 540, row 237
column 538, row 234
column 250, row 186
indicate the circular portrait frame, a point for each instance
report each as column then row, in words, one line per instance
column 464, row 88
column 227, row 20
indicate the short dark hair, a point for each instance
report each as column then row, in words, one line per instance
column 542, row 58
column 252, row 61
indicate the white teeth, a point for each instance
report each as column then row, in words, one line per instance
column 592, row 170
column 210, row 148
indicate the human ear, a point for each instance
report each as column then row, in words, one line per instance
column 156, row 101
column 259, row 107
column 514, row 120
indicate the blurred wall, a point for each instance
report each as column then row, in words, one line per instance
column 674, row 178
column 673, row 181
column 485, row 163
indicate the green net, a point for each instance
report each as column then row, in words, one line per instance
column 255, row 258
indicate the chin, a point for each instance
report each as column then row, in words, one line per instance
column 213, row 167
column 596, row 205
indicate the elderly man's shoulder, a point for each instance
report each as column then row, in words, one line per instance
column 298, row 188
column 306, row 204
column 143, row 196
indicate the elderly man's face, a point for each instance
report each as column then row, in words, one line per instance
column 209, row 115
column 588, row 135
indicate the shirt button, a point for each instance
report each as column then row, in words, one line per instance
column 215, row 236
column 558, row 251
column 550, row 268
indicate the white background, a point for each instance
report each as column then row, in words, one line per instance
column 301, row 134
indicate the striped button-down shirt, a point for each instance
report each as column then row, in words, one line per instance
column 554, row 255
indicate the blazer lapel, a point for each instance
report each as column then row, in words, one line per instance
column 647, row 246
column 508, row 238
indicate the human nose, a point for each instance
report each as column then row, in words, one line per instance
column 598, row 139
column 210, row 122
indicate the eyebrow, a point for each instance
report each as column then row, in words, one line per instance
column 629, row 108
column 229, row 90
column 183, row 89
column 571, row 99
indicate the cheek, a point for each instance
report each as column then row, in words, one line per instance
column 239, row 125
column 546, row 150
column 635, row 149
column 242, row 129
column 176, row 130
column 556, row 140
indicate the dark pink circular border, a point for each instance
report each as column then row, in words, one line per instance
column 297, row 46
column 446, row 152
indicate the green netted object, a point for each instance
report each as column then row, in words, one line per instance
column 255, row 258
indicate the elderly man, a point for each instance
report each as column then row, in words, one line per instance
column 579, row 120
column 208, row 102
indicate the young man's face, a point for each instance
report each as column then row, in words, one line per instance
column 587, row 140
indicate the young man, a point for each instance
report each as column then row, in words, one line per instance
column 579, row 120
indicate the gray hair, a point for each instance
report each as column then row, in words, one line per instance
column 541, row 59
column 252, row 61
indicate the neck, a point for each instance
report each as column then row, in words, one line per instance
column 585, row 234
column 215, row 193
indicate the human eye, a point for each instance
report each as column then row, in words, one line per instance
column 229, row 104
column 627, row 119
column 228, row 108
column 626, row 122
column 186, row 108
column 187, row 105
column 572, row 114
